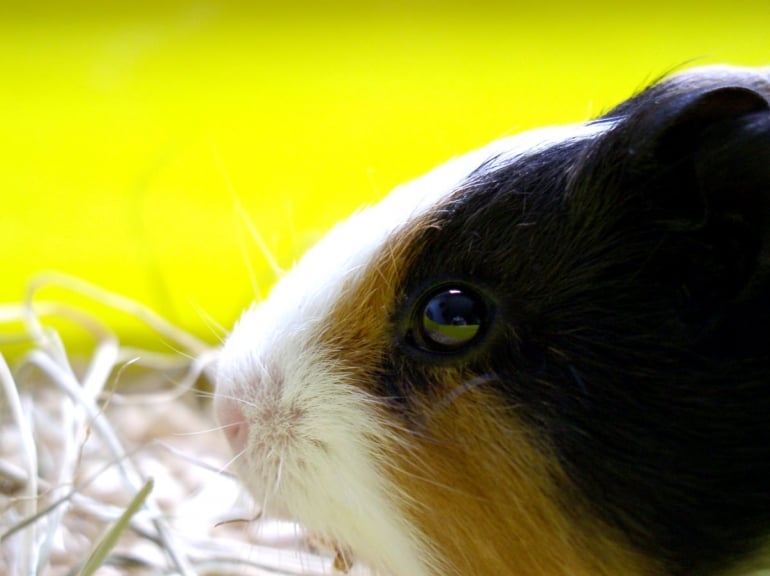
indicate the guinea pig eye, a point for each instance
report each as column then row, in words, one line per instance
column 448, row 319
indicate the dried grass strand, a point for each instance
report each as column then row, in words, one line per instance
column 29, row 457
column 44, row 505
column 100, row 552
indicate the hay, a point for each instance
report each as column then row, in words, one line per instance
column 112, row 464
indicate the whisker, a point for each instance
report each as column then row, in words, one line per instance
column 291, row 227
column 195, row 461
column 275, row 268
column 428, row 477
column 263, row 506
column 244, row 218
column 256, row 291
column 278, row 474
column 217, row 330
column 223, row 470
column 257, row 516
column 464, row 388
column 211, row 430
column 214, row 395
column 239, row 218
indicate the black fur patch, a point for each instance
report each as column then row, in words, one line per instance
column 631, row 277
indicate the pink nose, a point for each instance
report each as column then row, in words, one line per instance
column 230, row 417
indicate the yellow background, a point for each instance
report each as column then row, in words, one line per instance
column 131, row 134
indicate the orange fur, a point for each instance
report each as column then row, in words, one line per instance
column 487, row 497
column 492, row 501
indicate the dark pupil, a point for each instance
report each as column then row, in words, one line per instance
column 451, row 319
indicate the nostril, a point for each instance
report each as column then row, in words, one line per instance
column 236, row 434
column 233, row 422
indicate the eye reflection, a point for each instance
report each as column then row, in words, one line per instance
column 450, row 319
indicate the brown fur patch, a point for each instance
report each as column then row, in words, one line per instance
column 491, row 499
column 485, row 492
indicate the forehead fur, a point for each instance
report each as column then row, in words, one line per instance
column 351, row 245
column 348, row 250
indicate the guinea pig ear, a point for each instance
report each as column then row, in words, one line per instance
column 689, row 138
column 731, row 174
column 697, row 160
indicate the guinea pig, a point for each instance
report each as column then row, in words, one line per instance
column 548, row 357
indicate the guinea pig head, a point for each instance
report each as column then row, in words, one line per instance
column 547, row 357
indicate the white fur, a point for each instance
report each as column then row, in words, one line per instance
column 311, row 446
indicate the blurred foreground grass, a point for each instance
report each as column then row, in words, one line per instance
column 131, row 135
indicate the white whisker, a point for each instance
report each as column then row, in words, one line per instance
column 217, row 330
column 212, row 430
column 278, row 473
column 243, row 217
column 227, row 465
column 214, row 395
column 463, row 389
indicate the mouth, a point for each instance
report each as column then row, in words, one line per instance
column 279, row 521
column 312, row 449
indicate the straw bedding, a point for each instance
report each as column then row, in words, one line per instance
column 111, row 463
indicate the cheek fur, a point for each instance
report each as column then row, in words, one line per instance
column 316, row 447
column 479, row 489
column 317, row 438
column 488, row 494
